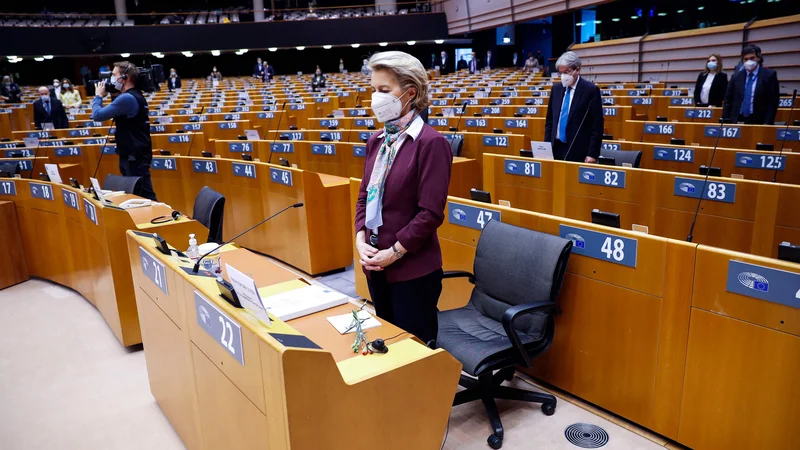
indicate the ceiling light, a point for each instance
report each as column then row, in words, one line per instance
column 11, row 57
column 38, row 58
column 243, row 50
column 662, row 14
column 355, row 45
column 327, row 47
column 156, row 53
column 680, row 11
column 160, row 55
column 48, row 56
column 411, row 42
column 273, row 49
column 700, row 8
column 384, row 44
column 14, row 61
column 634, row 17
column 215, row 52
column 615, row 19
column 187, row 54
column 125, row 55
column 438, row 41
column 598, row 21
column 301, row 48
column 579, row 24
column 239, row 53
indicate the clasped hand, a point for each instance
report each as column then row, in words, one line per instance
column 374, row 259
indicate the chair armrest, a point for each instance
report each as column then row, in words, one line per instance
column 459, row 274
column 523, row 309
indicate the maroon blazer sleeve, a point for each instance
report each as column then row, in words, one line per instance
column 434, row 165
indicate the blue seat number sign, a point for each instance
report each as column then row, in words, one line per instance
column 716, row 191
column 359, row 151
column 40, row 190
column 90, row 211
column 154, row 270
column 280, row 176
column 204, row 166
column 244, row 170
column 759, row 161
column 681, row 101
column 524, row 168
column 470, row 216
column 698, row 113
column 8, row 188
column 660, row 128
column 607, row 146
column 495, row 141
column 437, row 122
column 224, row 330
column 789, row 135
column 178, row 138
column 240, row 147
column 516, row 123
column 283, row 147
column 476, row 123
column 723, row 132
column 673, row 154
column 163, row 164
column 70, row 199
column 765, row 283
column 601, row 177
column 603, row 246
column 68, row 151
column 323, row 149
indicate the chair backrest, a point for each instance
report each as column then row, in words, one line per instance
column 632, row 157
column 456, row 142
column 515, row 265
column 209, row 207
column 130, row 185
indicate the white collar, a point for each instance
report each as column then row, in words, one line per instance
column 413, row 130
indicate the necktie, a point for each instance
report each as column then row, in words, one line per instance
column 562, row 122
column 747, row 102
column 47, row 107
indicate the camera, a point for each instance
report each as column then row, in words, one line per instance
column 146, row 82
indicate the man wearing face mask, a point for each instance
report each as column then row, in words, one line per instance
column 318, row 80
column 752, row 95
column 258, row 70
column 55, row 92
column 402, row 198
column 132, row 120
column 215, row 76
column 444, row 64
column 49, row 110
column 174, row 81
column 571, row 102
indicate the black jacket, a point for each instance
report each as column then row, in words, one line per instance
column 57, row 116
column 587, row 140
column 477, row 65
column 176, row 85
column 718, row 87
column 446, row 66
column 12, row 92
column 765, row 99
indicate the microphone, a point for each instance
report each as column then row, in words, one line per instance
column 353, row 122
column 463, row 110
column 191, row 139
column 579, row 129
column 634, row 78
column 667, row 77
column 783, row 141
column 705, row 180
column 197, row 264
column 646, row 114
column 283, row 110
column 36, row 152
column 103, row 148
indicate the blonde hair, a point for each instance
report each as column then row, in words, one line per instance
column 410, row 73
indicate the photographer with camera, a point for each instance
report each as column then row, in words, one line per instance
column 129, row 111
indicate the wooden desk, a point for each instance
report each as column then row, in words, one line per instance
column 733, row 135
column 71, row 239
column 16, row 271
column 273, row 393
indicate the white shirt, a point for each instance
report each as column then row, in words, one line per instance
column 571, row 97
column 707, row 87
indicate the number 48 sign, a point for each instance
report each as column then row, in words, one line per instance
column 602, row 246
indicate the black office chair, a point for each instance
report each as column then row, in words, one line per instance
column 632, row 157
column 9, row 169
column 456, row 142
column 509, row 317
column 129, row 185
column 209, row 207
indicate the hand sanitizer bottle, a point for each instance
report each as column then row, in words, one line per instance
column 193, row 252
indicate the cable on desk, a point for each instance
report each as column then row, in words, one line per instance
column 446, row 432
column 395, row 336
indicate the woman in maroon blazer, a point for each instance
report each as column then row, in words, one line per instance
column 402, row 198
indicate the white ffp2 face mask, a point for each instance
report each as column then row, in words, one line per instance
column 567, row 79
column 750, row 65
column 386, row 107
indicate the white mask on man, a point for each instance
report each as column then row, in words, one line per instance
column 567, row 79
column 750, row 65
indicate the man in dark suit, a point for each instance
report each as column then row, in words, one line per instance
column 49, row 110
column 269, row 72
column 474, row 64
column 444, row 63
column 752, row 95
column 259, row 69
column 572, row 101
column 488, row 64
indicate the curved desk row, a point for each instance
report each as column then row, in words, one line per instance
column 658, row 331
column 741, row 215
column 294, row 384
column 729, row 135
column 73, row 240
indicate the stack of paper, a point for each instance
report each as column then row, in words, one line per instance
column 302, row 302
column 345, row 323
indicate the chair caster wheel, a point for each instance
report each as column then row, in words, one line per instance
column 548, row 410
column 510, row 376
column 494, row 441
